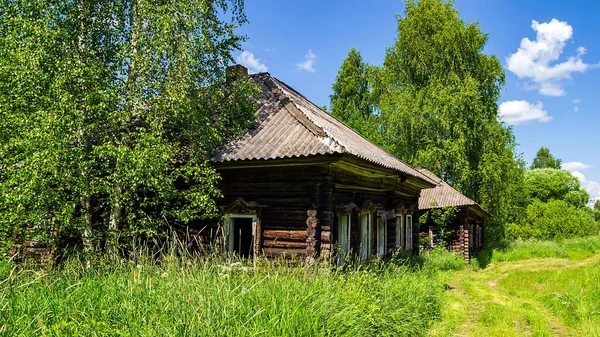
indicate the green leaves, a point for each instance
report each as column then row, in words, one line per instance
column 111, row 111
column 544, row 159
column 438, row 97
column 352, row 100
column 555, row 207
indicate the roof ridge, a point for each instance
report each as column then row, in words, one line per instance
column 332, row 136
column 308, row 119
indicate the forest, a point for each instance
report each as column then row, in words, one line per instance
column 110, row 112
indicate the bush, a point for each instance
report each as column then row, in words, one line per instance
column 552, row 220
column 440, row 259
column 551, row 184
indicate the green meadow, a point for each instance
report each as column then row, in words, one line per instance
column 526, row 289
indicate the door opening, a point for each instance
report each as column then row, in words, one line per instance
column 243, row 238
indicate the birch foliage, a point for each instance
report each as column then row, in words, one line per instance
column 109, row 113
column 438, row 99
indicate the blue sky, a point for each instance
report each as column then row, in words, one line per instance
column 551, row 93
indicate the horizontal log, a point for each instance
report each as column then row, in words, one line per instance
column 285, row 227
column 326, row 228
column 284, row 244
column 326, row 237
column 284, row 252
column 285, row 234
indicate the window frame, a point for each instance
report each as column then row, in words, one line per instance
column 344, row 235
column 409, row 233
column 229, row 234
column 366, row 224
column 381, row 236
column 400, row 232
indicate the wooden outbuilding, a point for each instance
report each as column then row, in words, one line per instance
column 304, row 184
column 466, row 230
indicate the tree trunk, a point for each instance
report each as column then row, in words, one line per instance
column 113, row 224
column 85, row 197
column 85, row 201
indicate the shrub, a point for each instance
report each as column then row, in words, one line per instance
column 440, row 259
column 556, row 219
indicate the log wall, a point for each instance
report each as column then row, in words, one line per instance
column 287, row 189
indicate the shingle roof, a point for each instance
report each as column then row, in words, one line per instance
column 443, row 195
column 292, row 126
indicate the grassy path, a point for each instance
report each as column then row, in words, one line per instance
column 535, row 297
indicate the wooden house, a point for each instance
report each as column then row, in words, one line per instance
column 466, row 230
column 305, row 184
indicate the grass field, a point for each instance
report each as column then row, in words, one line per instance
column 210, row 297
column 527, row 289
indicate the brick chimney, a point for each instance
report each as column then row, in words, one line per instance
column 238, row 68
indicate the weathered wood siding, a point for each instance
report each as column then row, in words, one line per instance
column 288, row 192
column 287, row 189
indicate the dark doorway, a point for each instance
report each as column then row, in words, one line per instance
column 242, row 237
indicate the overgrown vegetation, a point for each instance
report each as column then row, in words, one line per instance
column 441, row 218
column 533, row 287
column 576, row 249
column 109, row 113
column 554, row 207
column 210, row 296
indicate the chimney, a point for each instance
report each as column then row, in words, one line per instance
column 237, row 69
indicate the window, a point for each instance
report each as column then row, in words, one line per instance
column 344, row 236
column 409, row 243
column 399, row 231
column 365, row 235
column 381, row 236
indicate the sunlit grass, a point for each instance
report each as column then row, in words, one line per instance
column 212, row 297
column 529, row 289
column 575, row 249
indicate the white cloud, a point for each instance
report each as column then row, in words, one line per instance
column 536, row 60
column 516, row 112
column 248, row 60
column 579, row 176
column 592, row 187
column 575, row 166
column 575, row 104
column 309, row 60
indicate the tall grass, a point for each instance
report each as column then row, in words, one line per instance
column 575, row 249
column 210, row 296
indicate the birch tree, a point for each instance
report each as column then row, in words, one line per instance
column 438, row 94
column 111, row 111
